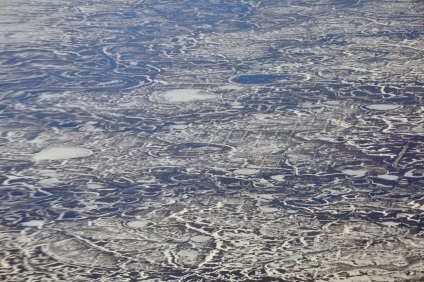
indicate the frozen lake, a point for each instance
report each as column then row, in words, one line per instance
column 211, row 140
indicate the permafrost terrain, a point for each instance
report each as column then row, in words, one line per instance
column 212, row 140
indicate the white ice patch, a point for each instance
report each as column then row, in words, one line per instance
column 355, row 173
column 138, row 223
column 93, row 186
column 246, row 171
column 382, row 107
column 177, row 96
column 278, row 177
column 388, row 177
column 268, row 209
column 61, row 153
column 33, row 223
column 49, row 181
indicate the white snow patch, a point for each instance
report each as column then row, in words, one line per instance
column 33, row 223
column 246, row 171
column 390, row 223
column 49, row 181
column 268, row 209
column 382, row 107
column 355, row 173
column 61, row 153
column 388, row 177
column 278, row 178
column 93, row 186
column 177, row 96
column 138, row 223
